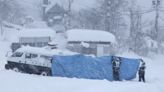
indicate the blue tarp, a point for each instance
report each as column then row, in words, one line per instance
column 88, row 67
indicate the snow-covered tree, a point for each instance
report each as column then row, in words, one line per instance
column 90, row 18
column 10, row 12
column 111, row 11
column 69, row 14
column 135, row 26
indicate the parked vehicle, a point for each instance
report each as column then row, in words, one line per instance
column 33, row 60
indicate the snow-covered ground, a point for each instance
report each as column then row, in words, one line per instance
column 4, row 48
column 16, row 82
column 11, row 81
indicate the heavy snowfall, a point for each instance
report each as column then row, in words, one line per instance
column 126, row 28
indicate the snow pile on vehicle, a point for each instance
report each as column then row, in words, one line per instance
column 87, row 67
column 45, row 51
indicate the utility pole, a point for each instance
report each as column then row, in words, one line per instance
column 156, row 5
column 44, row 6
column 70, row 2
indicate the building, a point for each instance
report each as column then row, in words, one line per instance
column 33, row 37
column 94, row 42
column 54, row 14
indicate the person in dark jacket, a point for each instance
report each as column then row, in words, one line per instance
column 116, row 62
column 141, row 71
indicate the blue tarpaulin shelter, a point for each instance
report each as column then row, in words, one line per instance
column 87, row 67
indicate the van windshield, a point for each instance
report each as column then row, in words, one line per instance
column 17, row 54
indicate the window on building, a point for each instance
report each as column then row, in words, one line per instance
column 93, row 45
column 39, row 44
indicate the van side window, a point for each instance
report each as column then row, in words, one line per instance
column 17, row 54
column 34, row 55
column 46, row 57
column 28, row 55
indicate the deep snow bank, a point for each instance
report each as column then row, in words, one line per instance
column 17, row 82
column 4, row 48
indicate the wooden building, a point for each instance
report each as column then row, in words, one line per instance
column 33, row 37
column 93, row 42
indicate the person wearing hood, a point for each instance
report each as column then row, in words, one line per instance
column 116, row 62
column 141, row 71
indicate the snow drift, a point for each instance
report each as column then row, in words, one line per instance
column 87, row 67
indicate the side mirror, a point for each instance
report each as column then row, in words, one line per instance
column 9, row 53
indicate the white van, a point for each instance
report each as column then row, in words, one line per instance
column 34, row 60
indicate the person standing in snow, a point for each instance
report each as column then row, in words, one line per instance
column 141, row 71
column 116, row 68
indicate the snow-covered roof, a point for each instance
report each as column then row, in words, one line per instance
column 14, row 35
column 90, row 35
column 37, row 32
column 11, row 25
column 45, row 51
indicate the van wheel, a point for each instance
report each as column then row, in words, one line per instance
column 44, row 73
column 7, row 67
column 15, row 69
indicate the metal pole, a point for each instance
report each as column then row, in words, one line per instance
column 157, row 3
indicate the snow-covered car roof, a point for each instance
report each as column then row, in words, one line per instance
column 90, row 35
column 45, row 51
